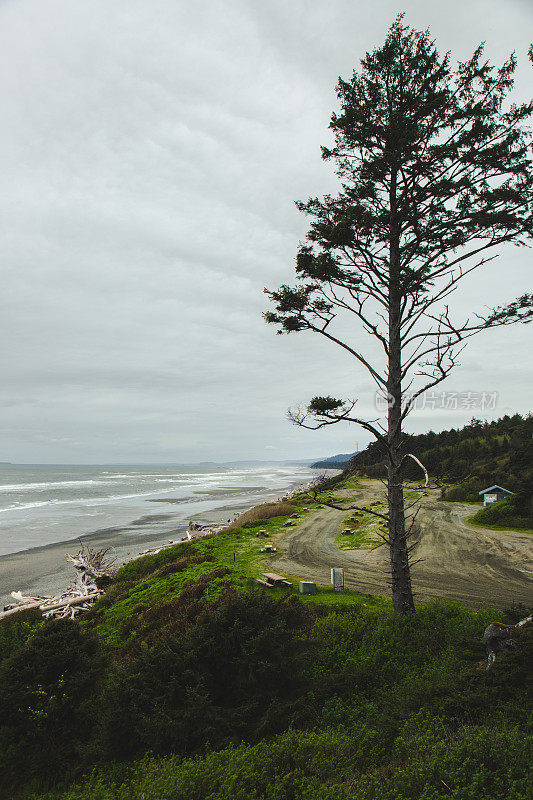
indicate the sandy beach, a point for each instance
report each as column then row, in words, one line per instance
column 44, row 570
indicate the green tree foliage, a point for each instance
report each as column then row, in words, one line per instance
column 474, row 457
column 435, row 172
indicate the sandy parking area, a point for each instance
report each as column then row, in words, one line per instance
column 472, row 565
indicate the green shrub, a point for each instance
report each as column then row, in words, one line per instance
column 485, row 762
column 160, row 582
column 234, row 674
column 466, row 492
column 17, row 629
column 379, row 668
column 146, row 565
column 46, row 690
column 513, row 512
column 332, row 764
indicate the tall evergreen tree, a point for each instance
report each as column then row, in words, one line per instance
column 435, row 173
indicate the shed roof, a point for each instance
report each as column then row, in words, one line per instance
column 493, row 488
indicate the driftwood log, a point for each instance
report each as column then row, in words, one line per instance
column 417, row 461
column 497, row 638
column 95, row 569
column 48, row 610
column 92, row 566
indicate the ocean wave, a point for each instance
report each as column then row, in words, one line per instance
column 106, row 489
column 86, row 501
column 43, row 486
column 96, row 501
column 19, row 487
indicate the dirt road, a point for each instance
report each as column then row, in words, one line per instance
column 464, row 563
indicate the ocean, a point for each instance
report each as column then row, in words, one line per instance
column 44, row 504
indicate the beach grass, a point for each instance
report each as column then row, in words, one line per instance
column 162, row 577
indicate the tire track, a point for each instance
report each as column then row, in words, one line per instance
column 460, row 562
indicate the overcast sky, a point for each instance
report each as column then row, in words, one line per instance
column 151, row 152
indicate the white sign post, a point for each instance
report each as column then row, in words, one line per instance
column 337, row 578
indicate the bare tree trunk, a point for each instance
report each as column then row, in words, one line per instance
column 402, row 595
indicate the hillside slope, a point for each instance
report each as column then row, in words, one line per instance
column 189, row 681
column 499, row 452
column 340, row 461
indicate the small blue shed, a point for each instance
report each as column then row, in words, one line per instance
column 494, row 494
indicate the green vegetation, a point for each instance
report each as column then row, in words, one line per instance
column 366, row 528
column 513, row 512
column 465, row 492
column 15, row 631
column 188, row 681
column 329, row 764
column 46, row 689
column 471, row 458
column 266, row 698
column 468, row 460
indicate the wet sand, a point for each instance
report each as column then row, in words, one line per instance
column 44, row 570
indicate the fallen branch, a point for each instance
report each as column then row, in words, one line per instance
column 417, row 461
column 55, row 606
column 497, row 637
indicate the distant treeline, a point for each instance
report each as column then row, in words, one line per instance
column 477, row 456
column 339, row 461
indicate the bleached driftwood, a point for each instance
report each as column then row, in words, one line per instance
column 497, row 637
column 52, row 605
column 417, row 461
column 91, row 566
column 19, row 597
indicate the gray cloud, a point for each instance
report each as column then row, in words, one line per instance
column 150, row 157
